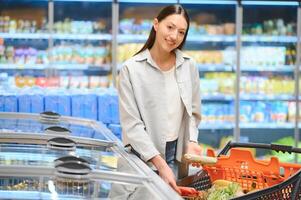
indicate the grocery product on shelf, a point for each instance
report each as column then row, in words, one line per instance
column 98, row 104
column 217, row 83
column 267, row 85
column 257, row 56
column 143, row 26
column 80, row 54
column 80, row 27
column 270, row 27
column 217, row 113
column 67, row 26
column 12, row 25
column 135, row 26
column 126, row 51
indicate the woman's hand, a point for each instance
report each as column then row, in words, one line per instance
column 194, row 148
column 165, row 172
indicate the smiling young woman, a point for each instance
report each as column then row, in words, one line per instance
column 159, row 96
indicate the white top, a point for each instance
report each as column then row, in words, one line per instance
column 175, row 107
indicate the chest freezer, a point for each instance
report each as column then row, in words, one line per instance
column 43, row 158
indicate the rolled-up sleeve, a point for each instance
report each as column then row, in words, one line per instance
column 196, row 103
column 133, row 128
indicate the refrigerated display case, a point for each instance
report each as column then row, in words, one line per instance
column 267, row 65
column 55, row 46
column 58, row 164
column 211, row 42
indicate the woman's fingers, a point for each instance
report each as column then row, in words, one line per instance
column 173, row 184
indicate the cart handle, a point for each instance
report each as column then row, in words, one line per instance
column 275, row 147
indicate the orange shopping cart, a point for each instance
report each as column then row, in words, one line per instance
column 272, row 179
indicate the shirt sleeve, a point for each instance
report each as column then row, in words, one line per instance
column 133, row 128
column 196, row 104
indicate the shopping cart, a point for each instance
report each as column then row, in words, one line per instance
column 271, row 179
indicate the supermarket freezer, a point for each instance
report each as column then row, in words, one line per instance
column 41, row 158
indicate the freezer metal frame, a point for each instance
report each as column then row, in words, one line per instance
column 144, row 176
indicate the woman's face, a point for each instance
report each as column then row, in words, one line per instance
column 170, row 31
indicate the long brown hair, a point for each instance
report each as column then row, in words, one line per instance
column 165, row 12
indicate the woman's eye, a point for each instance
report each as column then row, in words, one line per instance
column 169, row 27
column 182, row 33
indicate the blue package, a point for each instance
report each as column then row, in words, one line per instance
column 104, row 110
column 76, row 110
column 114, row 110
column 58, row 103
column 116, row 129
column 37, row 103
column 64, row 105
column 51, row 102
column 1, row 103
column 10, row 103
column 89, row 105
column 24, row 103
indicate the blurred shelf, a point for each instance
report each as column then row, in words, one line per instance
column 217, row 97
column 276, row 68
column 263, row 38
column 24, row 35
column 57, row 36
column 265, row 125
column 85, row 0
column 214, row 67
column 263, row 97
column 22, row 66
column 247, row 97
column 153, row 1
column 215, row 125
column 136, row 38
column 249, row 125
column 104, row 67
column 124, row 38
column 222, row 2
column 211, row 38
column 271, row 3
column 131, row 38
column 69, row 36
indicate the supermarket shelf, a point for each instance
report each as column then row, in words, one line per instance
column 124, row 38
column 214, row 67
column 266, row 97
column 131, row 38
column 271, row 3
column 249, row 125
column 276, row 68
column 87, row 0
column 215, row 125
column 22, row 66
column 70, row 36
column 57, row 36
column 247, row 97
column 104, row 67
column 211, row 38
column 257, row 125
column 91, row 68
column 222, row 67
column 217, row 97
column 210, row 2
column 143, row 1
column 24, row 35
column 263, row 38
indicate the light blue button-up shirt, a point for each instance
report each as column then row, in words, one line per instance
column 143, row 109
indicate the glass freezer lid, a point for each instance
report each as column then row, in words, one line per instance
column 35, row 123
column 39, row 155
column 48, row 183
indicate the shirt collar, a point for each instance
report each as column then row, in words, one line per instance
column 145, row 55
